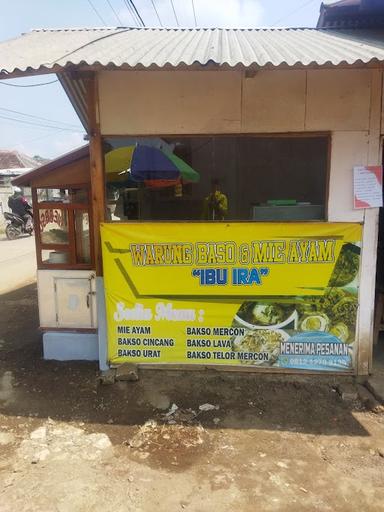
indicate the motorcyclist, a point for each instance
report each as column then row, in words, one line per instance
column 20, row 206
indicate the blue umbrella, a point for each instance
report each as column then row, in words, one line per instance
column 150, row 163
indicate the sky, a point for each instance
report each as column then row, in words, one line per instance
column 62, row 130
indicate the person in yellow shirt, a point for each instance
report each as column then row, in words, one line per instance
column 215, row 204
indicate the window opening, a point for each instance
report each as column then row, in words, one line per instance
column 216, row 178
column 62, row 221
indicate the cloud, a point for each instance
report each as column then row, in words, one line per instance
column 53, row 145
column 209, row 13
column 63, row 144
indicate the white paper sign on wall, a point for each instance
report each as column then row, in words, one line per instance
column 368, row 187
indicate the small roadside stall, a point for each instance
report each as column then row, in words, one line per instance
column 61, row 199
column 224, row 214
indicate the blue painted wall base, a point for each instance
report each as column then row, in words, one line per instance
column 71, row 346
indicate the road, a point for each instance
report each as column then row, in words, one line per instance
column 17, row 262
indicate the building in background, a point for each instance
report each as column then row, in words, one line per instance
column 352, row 14
column 12, row 164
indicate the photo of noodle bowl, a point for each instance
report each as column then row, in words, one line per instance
column 258, row 315
column 259, row 347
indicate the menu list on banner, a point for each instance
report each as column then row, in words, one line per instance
column 261, row 294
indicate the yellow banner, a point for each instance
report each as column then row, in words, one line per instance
column 231, row 293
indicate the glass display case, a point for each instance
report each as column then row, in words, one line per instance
column 62, row 223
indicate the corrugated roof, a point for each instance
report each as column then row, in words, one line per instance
column 341, row 3
column 55, row 50
column 14, row 172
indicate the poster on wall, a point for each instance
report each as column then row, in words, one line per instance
column 368, row 187
column 265, row 295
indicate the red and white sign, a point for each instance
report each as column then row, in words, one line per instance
column 368, row 187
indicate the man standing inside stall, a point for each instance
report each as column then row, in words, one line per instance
column 215, row 204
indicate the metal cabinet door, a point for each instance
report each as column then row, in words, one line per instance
column 74, row 302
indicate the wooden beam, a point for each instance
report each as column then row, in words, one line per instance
column 96, row 162
column 370, row 236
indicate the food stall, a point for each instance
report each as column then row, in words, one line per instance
column 65, row 256
column 225, row 227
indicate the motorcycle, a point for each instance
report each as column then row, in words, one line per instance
column 17, row 226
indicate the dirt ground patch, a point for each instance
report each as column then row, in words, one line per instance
column 271, row 443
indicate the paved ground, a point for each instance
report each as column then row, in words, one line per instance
column 17, row 262
column 270, row 444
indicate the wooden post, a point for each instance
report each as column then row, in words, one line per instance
column 370, row 235
column 96, row 158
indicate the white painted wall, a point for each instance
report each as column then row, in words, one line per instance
column 141, row 102
column 338, row 99
column 348, row 149
column 203, row 102
column 51, row 303
column 273, row 101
